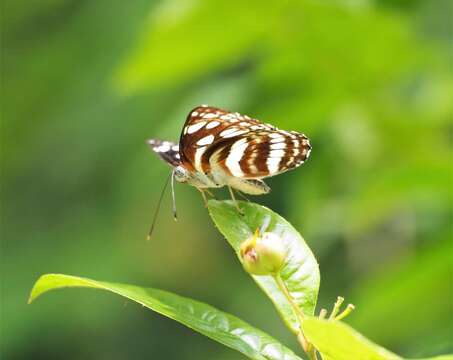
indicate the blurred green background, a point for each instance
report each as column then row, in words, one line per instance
column 84, row 83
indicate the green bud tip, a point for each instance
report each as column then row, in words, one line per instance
column 263, row 255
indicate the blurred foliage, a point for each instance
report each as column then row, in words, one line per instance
column 84, row 83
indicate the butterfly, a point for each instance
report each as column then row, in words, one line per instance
column 221, row 148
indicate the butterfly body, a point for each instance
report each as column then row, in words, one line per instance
column 220, row 148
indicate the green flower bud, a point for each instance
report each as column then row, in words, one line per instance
column 263, row 255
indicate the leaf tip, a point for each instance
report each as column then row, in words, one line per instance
column 34, row 293
column 44, row 283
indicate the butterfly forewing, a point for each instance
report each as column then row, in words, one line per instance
column 238, row 145
column 167, row 150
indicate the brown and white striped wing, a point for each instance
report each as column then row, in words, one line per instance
column 239, row 145
column 264, row 153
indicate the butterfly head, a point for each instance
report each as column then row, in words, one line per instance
column 181, row 174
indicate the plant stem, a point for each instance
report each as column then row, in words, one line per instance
column 305, row 344
column 282, row 287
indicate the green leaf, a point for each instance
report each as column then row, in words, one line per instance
column 207, row 320
column 300, row 272
column 338, row 341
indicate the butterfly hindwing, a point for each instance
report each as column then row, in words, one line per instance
column 264, row 153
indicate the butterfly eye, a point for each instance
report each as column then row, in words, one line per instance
column 181, row 174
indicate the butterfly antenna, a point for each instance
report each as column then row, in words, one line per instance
column 173, row 197
column 156, row 212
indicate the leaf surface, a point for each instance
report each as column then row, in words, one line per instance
column 300, row 272
column 338, row 341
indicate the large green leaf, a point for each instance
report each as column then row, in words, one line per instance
column 300, row 272
column 207, row 320
column 338, row 341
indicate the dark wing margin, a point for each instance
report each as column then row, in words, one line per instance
column 167, row 151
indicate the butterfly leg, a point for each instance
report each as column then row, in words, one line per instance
column 210, row 194
column 205, row 199
column 235, row 201
column 243, row 196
